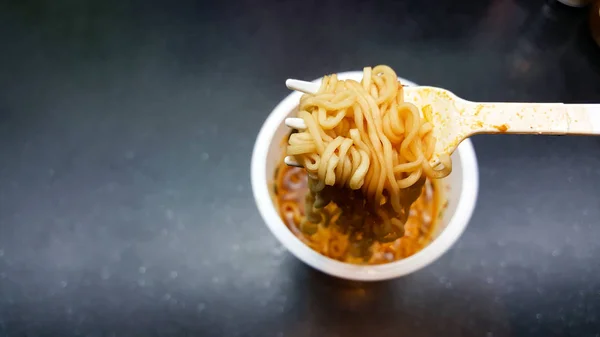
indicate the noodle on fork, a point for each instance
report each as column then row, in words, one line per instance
column 366, row 150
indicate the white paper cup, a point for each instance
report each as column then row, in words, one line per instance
column 462, row 195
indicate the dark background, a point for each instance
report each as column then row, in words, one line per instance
column 126, row 131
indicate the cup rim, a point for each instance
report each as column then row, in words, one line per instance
column 266, row 207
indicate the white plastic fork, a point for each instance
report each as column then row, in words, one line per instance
column 454, row 119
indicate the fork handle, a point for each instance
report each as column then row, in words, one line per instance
column 534, row 118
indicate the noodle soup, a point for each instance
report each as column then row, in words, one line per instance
column 332, row 240
column 366, row 155
column 458, row 200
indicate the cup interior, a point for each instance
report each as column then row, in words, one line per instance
column 460, row 194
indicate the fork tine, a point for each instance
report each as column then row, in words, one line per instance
column 302, row 86
column 290, row 161
column 295, row 123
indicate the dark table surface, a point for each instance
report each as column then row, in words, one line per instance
column 126, row 130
